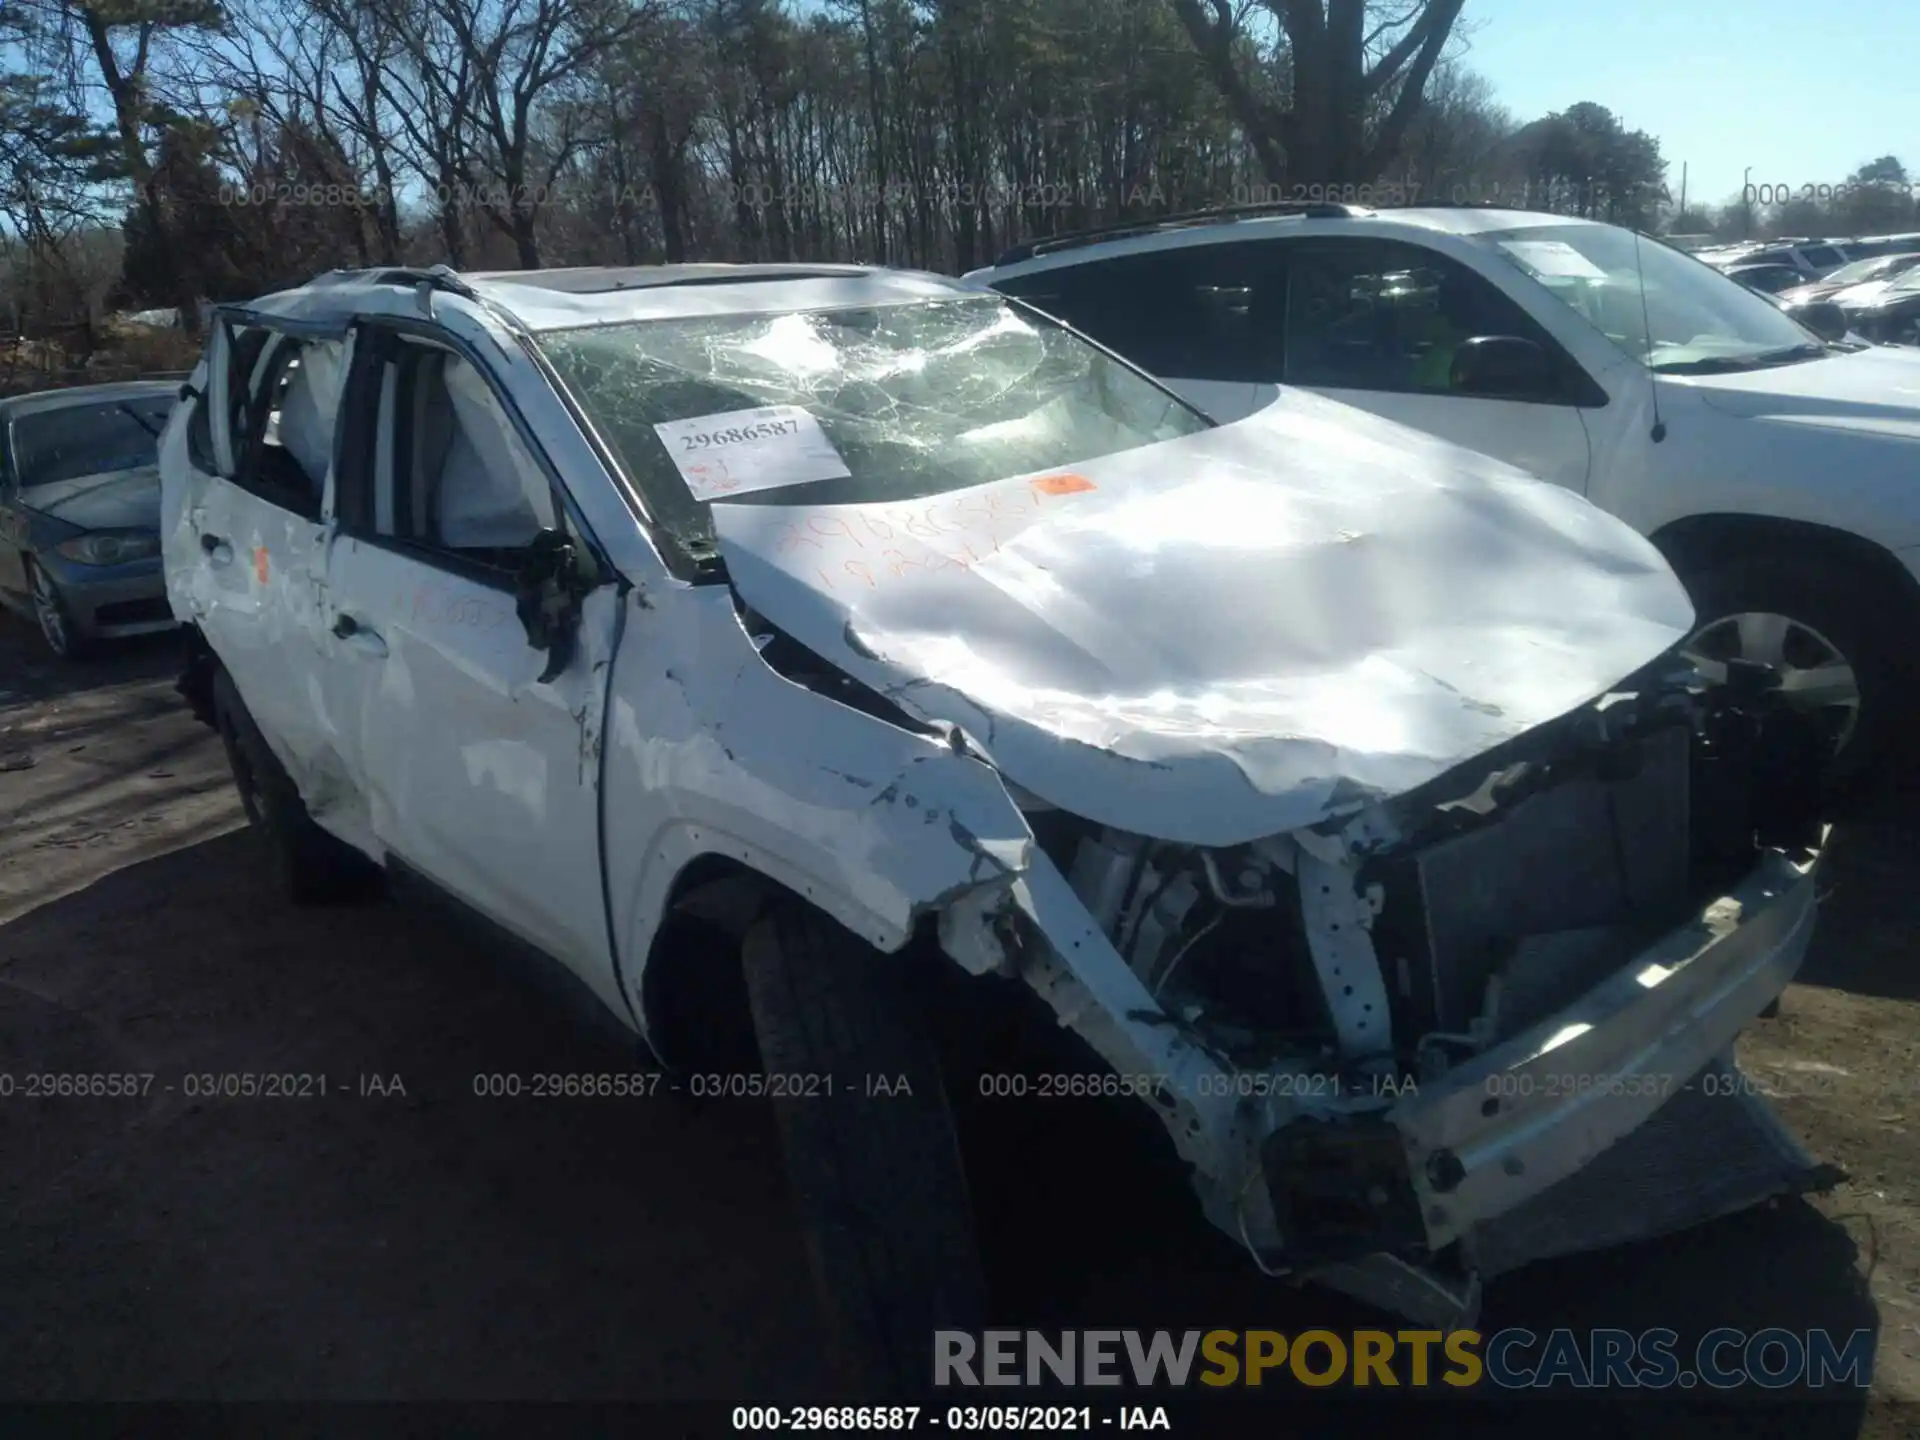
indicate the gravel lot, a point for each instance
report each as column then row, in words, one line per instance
column 435, row 1245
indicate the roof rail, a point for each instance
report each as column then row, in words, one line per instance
column 1072, row 239
column 440, row 277
column 1474, row 205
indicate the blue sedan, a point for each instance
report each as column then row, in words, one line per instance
column 80, row 511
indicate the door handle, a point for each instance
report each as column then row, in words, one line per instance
column 359, row 636
column 217, row 550
column 211, row 543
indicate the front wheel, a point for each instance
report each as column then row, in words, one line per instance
column 56, row 622
column 1819, row 632
column 874, row 1166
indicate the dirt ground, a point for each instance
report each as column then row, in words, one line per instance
column 402, row 1237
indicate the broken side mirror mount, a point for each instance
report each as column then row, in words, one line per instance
column 547, row 595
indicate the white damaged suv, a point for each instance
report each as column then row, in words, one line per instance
column 1341, row 791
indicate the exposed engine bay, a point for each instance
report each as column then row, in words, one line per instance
column 1487, row 898
column 1438, row 1036
column 1345, row 967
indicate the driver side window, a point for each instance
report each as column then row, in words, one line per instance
column 1380, row 315
column 443, row 472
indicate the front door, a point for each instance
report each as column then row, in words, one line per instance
column 1373, row 324
column 479, row 764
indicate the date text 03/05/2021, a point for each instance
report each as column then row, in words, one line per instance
column 960, row 1419
column 198, row 1085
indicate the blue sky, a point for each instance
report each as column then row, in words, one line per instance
column 1803, row 92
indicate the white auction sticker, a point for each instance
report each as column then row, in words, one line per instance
column 744, row 450
column 1554, row 258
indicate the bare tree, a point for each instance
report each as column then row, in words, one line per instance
column 1354, row 77
column 494, row 96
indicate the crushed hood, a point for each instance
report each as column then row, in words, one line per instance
column 116, row 500
column 1228, row 635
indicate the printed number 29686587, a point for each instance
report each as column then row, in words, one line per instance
column 737, row 435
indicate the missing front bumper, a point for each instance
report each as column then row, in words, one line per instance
column 1714, row 1150
column 1613, row 1119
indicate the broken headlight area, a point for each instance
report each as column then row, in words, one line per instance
column 793, row 662
column 1330, row 972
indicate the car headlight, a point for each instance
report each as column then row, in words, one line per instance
column 110, row 547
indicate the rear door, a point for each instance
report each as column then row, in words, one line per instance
column 477, row 756
column 248, row 555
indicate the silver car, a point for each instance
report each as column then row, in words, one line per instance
column 80, row 511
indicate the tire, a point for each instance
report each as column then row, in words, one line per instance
column 1826, row 604
column 54, row 620
column 878, row 1182
column 311, row 866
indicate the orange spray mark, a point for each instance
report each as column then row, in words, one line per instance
column 1062, row 484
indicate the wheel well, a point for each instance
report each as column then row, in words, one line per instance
column 693, row 995
column 692, row 991
column 1702, row 542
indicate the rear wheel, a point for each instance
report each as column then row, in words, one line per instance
column 312, row 866
column 877, row 1178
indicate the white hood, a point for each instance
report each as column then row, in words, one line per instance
column 1228, row 635
column 1874, row 391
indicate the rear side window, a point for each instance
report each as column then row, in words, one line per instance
column 284, row 392
column 1823, row 255
column 1207, row 312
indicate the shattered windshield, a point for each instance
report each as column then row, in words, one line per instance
column 834, row 407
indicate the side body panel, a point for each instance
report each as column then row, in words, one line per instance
column 481, row 776
column 710, row 752
column 248, row 573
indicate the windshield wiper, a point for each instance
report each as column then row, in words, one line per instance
column 1728, row 364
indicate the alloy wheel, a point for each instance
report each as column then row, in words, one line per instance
column 1813, row 673
column 46, row 609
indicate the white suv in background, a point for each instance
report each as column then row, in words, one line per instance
column 1777, row 472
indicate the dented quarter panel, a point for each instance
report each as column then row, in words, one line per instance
column 710, row 752
column 1228, row 635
